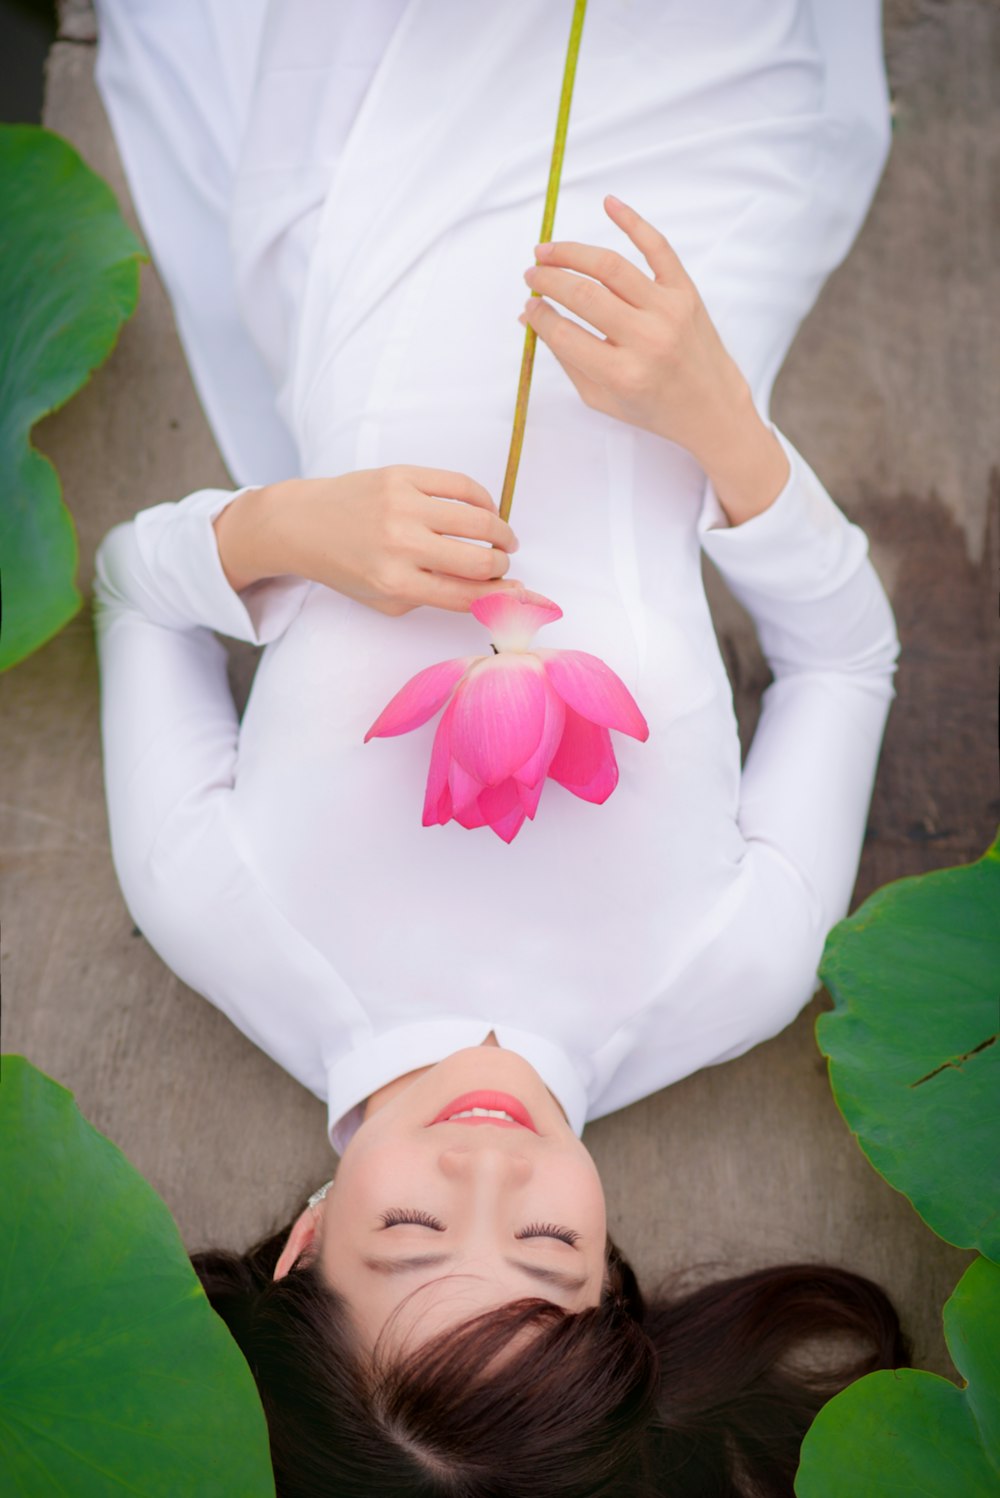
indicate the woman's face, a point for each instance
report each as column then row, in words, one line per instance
column 441, row 1217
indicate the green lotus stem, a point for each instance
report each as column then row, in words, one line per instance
column 548, row 219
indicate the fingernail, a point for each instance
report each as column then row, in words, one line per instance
column 522, row 320
column 616, row 201
column 541, row 250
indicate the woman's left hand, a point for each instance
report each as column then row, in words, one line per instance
column 661, row 364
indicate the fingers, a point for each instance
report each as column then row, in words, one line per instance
column 606, row 266
column 451, row 485
column 613, row 270
column 596, row 359
column 448, row 519
column 437, row 590
column 450, row 593
column 605, row 310
column 462, row 560
column 442, row 551
column 654, row 246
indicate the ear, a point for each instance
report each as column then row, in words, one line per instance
column 300, row 1239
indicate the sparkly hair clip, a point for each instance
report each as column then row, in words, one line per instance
column 318, row 1196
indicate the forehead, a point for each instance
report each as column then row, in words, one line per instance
column 414, row 1304
column 412, row 1315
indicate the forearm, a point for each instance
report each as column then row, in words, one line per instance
column 742, row 458
column 392, row 538
column 252, row 542
column 163, row 567
column 827, row 630
column 169, row 724
column 802, row 571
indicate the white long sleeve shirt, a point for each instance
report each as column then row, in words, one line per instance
column 280, row 865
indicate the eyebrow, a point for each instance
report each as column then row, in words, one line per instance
column 568, row 1282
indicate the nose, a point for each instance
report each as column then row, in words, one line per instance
column 485, row 1164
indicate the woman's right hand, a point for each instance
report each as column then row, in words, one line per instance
column 392, row 538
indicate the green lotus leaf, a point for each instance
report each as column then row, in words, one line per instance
column 913, row 1045
column 116, row 1376
column 69, row 277
column 896, row 1435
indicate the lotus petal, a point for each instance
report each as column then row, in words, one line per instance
column 470, row 816
column 514, row 617
column 585, row 761
column 464, row 788
column 513, row 719
column 509, row 826
column 500, row 806
column 499, row 717
column 498, row 801
column 530, row 795
column 419, row 699
column 437, row 799
column 444, row 810
column 535, row 769
column 593, row 690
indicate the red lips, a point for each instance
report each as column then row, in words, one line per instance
column 501, row 1101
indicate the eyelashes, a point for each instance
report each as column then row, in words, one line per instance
column 396, row 1215
column 548, row 1230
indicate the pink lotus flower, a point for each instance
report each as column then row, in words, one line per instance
column 512, row 718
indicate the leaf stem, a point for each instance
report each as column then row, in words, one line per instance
column 548, row 219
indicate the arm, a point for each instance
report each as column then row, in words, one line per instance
column 827, row 630
column 784, row 548
column 824, row 623
column 168, row 719
column 171, row 734
column 383, row 536
column 165, row 581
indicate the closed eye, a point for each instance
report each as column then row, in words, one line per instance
column 549, row 1230
column 396, row 1215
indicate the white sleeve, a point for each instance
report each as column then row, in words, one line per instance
column 171, row 737
column 827, row 631
column 802, row 571
column 167, row 712
column 177, row 83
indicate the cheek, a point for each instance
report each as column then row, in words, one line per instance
column 596, row 1208
column 581, row 1190
column 368, row 1182
column 382, row 1174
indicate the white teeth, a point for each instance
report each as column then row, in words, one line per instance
column 481, row 1113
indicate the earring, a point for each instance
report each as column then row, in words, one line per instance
column 318, row 1196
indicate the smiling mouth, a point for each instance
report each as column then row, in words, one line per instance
column 486, row 1107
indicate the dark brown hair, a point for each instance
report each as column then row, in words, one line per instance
column 706, row 1393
